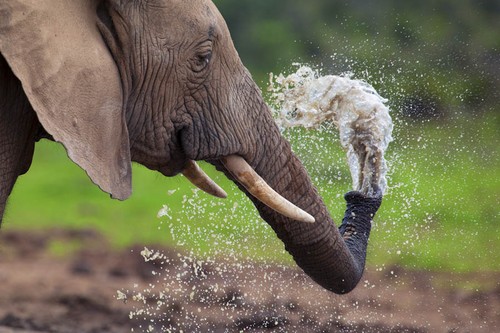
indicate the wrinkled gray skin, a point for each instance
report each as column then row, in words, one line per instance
column 171, row 88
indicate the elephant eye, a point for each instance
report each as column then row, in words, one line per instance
column 202, row 57
column 202, row 60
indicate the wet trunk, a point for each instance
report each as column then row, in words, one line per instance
column 333, row 257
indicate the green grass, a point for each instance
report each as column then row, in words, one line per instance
column 444, row 214
column 441, row 211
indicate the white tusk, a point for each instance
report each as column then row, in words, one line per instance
column 258, row 187
column 201, row 180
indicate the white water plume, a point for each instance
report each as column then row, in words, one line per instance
column 307, row 99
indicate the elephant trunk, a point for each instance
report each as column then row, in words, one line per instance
column 333, row 257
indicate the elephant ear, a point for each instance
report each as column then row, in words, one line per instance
column 72, row 82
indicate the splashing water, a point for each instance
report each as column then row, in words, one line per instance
column 221, row 284
column 200, row 289
column 306, row 99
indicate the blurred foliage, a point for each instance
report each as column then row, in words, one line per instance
column 432, row 59
column 426, row 56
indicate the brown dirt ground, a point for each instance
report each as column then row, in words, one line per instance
column 44, row 292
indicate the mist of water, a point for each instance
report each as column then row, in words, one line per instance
column 343, row 112
column 307, row 99
column 205, row 276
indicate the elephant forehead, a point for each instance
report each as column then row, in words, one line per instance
column 177, row 18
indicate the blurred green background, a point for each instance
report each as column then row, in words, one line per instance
column 438, row 63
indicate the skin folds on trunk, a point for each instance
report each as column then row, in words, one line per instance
column 333, row 257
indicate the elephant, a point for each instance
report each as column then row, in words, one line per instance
column 160, row 83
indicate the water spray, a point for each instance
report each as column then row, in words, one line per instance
column 307, row 99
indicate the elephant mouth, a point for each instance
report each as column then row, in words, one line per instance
column 246, row 176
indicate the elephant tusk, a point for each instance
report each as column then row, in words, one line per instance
column 201, row 180
column 258, row 187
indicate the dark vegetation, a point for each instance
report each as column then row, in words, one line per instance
column 426, row 56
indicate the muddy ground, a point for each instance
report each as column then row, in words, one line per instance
column 43, row 291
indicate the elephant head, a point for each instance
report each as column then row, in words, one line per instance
column 159, row 82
